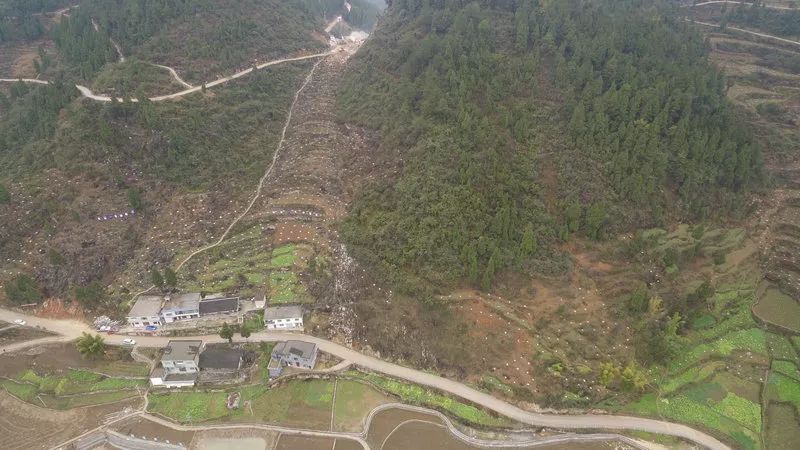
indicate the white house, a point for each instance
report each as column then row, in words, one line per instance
column 283, row 317
column 145, row 311
column 179, row 364
column 297, row 354
column 181, row 307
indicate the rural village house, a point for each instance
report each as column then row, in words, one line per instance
column 154, row 310
column 296, row 354
column 283, row 317
column 220, row 305
column 180, row 307
column 179, row 364
column 145, row 311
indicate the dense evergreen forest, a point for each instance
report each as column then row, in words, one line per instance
column 18, row 20
column 772, row 21
column 520, row 123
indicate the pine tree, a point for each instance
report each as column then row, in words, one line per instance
column 155, row 276
column 226, row 332
column 170, row 277
column 491, row 268
column 529, row 244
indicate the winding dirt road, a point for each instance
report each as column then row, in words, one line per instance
column 173, row 73
column 742, row 30
column 717, row 2
column 87, row 93
column 70, row 330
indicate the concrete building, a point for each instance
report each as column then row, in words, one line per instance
column 283, row 317
column 181, row 356
column 297, row 354
column 220, row 305
column 181, row 307
column 179, row 364
column 145, row 312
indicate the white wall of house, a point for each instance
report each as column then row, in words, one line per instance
column 280, row 324
column 141, row 322
column 179, row 366
column 182, row 383
column 172, row 316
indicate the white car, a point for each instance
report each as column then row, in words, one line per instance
column 128, row 341
column 20, row 322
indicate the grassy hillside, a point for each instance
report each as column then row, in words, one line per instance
column 520, row 124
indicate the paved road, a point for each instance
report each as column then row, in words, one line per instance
column 742, row 30
column 72, row 329
column 87, row 93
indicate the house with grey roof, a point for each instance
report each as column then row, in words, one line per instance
column 297, row 354
column 179, row 364
column 181, row 307
column 283, row 317
column 219, row 305
column 145, row 311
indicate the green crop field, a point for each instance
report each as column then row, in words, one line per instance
column 419, row 395
column 782, row 427
column 354, row 401
column 776, row 307
column 285, row 287
column 781, row 348
column 786, row 368
column 283, row 257
column 77, row 401
column 296, row 403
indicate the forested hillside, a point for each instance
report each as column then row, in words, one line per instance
column 64, row 159
column 519, row 123
column 19, row 20
column 773, row 21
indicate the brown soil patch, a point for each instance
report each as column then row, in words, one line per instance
column 10, row 333
column 385, row 421
column 270, row 437
column 291, row 442
column 145, row 429
column 297, row 232
column 57, row 308
column 52, row 358
column 24, row 426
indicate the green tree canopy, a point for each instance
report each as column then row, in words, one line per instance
column 91, row 346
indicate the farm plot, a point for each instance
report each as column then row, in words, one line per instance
column 778, row 308
column 52, row 427
column 354, row 401
column 78, row 388
column 240, row 263
column 298, row 403
column 782, row 427
column 418, row 395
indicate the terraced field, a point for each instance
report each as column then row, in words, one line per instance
column 52, row 427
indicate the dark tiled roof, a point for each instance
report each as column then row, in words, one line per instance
column 220, row 358
column 218, row 305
